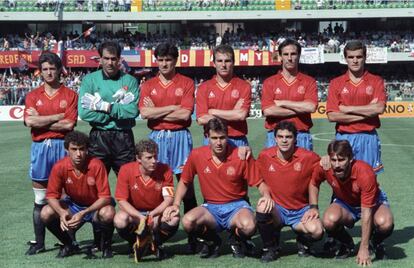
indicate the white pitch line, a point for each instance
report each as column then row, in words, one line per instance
column 316, row 138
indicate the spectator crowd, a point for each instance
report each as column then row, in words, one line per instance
column 331, row 39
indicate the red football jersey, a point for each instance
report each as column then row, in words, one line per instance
column 64, row 100
column 84, row 189
column 342, row 91
column 361, row 189
column 179, row 91
column 221, row 183
column 144, row 195
column 301, row 89
column 211, row 95
column 288, row 181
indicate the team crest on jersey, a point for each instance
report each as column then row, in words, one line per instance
column 69, row 180
column 272, row 168
column 39, row 103
column 63, row 104
column 297, row 166
column 207, row 170
column 153, row 92
column 179, row 92
column 231, row 171
column 235, row 94
column 277, row 91
column 91, row 181
column 333, row 184
column 135, row 186
column 211, row 95
column 158, row 186
column 369, row 90
column 345, row 91
column 301, row 90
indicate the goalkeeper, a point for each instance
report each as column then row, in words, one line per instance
column 144, row 189
column 108, row 101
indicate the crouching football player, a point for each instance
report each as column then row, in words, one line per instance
column 144, row 189
column 356, row 195
column 88, row 197
column 224, row 179
column 287, row 170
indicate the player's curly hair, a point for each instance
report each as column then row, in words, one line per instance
column 166, row 49
column 77, row 138
column 286, row 125
column 148, row 146
column 341, row 147
column 50, row 58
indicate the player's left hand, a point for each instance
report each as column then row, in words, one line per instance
column 279, row 103
column 343, row 109
column 244, row 152
column 363, row 258
column 148, row 102
column 32, row 112
column 76, row 220
column 267, row 202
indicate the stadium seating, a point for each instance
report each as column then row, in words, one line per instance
column 180, row 5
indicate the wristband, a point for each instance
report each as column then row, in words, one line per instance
column 313, row 206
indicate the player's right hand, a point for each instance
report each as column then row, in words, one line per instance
column 325, row 162
column 171, row 212
column 64, row 218
column 310, row 214
column 363, row 258
column 239, row 104
column 267, row 203
column 120, row 94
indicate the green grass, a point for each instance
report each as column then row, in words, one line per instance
column 16, row 198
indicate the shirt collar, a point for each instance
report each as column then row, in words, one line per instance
column 274, row 150
column 116, row 77
column 299, row 75
column 347, row 78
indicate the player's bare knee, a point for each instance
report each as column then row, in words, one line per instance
column 47, row 214
column 384, row 223
column 121, row 220
column 106, row 214
column 330, row 220
column 189, row 222
column 247, row 226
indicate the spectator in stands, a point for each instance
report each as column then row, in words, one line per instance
column 128, row 5
column 90, row 5
column 99, row 5
column 106, row 5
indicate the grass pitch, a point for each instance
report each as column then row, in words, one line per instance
column 16, row 203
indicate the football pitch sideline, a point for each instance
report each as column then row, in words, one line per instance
column 16, row 204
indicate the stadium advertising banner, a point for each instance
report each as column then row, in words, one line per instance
column 393, row 109
column 312, row 55
column 135, row 58
column 374, row 55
